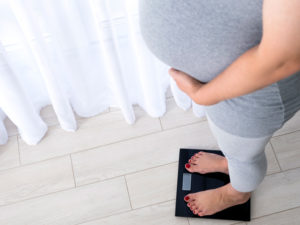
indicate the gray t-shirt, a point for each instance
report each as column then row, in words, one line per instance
column 202, row 38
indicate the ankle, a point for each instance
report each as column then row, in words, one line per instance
column 225, row 165
column 240, row 197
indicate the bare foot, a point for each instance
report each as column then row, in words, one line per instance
column 209, row 202
column 205, row 162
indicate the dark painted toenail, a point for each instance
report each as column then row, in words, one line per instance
column 189, row 160
column 186, row 198
column 187, row 165
column 194, row 211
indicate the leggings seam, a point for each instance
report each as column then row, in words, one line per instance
column 281, row 102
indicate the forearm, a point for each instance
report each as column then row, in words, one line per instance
column 248, row 73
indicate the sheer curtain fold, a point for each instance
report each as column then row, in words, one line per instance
column 79, row 56
column 28, row 21
column 15, row 103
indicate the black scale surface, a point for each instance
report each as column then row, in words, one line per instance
column 194, row 182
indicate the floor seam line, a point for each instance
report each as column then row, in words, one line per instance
column 36, row 197
column 285, row 210
column 274, row 152
column 128, row 192
column 19, row 152
column 291, row 132
column 160, row 124
column 100, row 146
column 134, row 209
column 72, row 167
column 126, row 174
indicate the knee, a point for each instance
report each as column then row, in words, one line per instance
column 246, row 176
column 247, row 156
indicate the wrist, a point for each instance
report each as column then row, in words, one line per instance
column 203, row 97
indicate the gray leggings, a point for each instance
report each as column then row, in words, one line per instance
column 246, row 158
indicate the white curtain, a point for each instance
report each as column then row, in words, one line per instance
column 79, row 56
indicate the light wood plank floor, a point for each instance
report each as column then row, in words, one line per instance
column 112, row 173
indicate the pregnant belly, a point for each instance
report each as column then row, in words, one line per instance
column 200, row 37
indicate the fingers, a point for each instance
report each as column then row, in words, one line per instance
column 175, row 73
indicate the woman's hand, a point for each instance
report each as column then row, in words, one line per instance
column 186, row 83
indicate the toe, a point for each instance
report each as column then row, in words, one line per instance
column 201, row 154
column 187, row 198
column 200, row 213
column 195, row 155
column 193, row 167
column 195, row 211
column 193, row 160
column 188, row 167
column 193, row 207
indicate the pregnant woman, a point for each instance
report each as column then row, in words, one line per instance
column 241, row 59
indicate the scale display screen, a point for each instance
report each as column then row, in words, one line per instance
column 186, row 181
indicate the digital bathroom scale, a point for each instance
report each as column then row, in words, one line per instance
column 194, row 182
